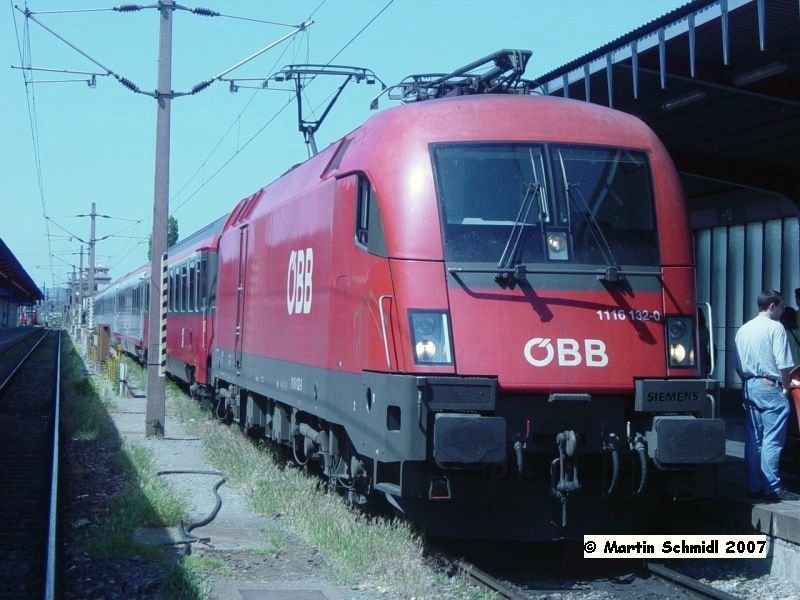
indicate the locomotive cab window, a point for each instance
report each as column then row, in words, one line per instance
column 516, row 203
column 369, row 227
column 605, row 196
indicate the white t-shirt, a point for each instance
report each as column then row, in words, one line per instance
column 762, row 348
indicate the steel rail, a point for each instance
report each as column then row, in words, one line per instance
column 50, row 571
column 22, row 362
column 482, row 579
column 689, row 582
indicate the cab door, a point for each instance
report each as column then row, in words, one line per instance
column 365, row 316
column 240, row 297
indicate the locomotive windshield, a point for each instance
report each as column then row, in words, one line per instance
column 539, row 203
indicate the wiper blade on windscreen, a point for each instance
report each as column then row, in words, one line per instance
column 612, row 268
column 507, row 272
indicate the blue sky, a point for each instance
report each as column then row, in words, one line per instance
column 97, row 144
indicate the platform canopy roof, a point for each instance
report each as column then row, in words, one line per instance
column 719, row 82
column 15, row 283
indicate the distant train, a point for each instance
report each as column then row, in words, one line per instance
column 482, row 307
column 28, row 315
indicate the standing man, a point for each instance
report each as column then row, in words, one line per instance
column 764, row 362
column 797, row 297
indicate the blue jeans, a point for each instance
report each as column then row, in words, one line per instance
column 765, row 433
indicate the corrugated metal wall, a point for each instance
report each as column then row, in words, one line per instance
column 736, row 262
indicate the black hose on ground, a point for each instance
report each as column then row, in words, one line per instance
column 186, row 528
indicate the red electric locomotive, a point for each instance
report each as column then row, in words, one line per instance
column 482, row 307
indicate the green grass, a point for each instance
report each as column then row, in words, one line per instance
column 187, row 578
column 86, row 412
column 159, row 505
column 145, row 500
column 357, row 548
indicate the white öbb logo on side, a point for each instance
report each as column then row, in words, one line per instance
column 540, row 352
column 299, row 281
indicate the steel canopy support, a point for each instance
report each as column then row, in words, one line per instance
column 723, row 7
column 662, row 59
column 587, row 82
column 692, row 46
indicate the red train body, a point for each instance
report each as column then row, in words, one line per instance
column 192, row 274
column 482, row 307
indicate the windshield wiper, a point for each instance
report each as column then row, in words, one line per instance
column 573, row 190
column 508, row 271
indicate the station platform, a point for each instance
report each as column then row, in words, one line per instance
column 738, row 513
column 11, row 335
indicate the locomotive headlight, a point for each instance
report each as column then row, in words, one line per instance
column 426, row 351
column 430, row 332
column 677, row 353
column 557, row 246
column 680, row 341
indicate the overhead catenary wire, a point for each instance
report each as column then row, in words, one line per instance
column 23, row 46
column 204, row 84
column 235, row 154
column 29, row 15
column 255, row 20
column 135, row 88
column 123, row 80
column 201, row 11
column 284, row 106
column 236, row 122
column 72, row 10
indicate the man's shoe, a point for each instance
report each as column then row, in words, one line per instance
column 787, row 496
column 782, row 496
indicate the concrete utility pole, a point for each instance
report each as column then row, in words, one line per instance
column 72, row 300
column 80, row 291
column 92, row 243
column 155, row 412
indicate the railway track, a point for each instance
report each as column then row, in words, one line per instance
column 29, row 390
column 689, row 583
column 537, row 574
column 14, row 349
